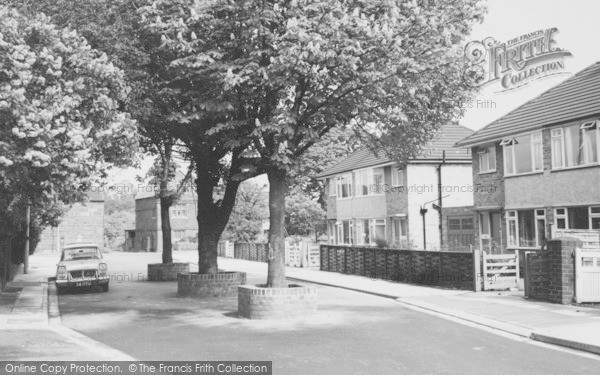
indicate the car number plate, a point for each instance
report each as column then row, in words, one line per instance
column 84, row 283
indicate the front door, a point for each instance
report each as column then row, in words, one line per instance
column 490, row 229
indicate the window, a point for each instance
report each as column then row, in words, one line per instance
column 377, row 229
column 558, row 147
column 399, row 229
column 345, row 232
column 487, row 160
column 526, row 228
column 511, row 225
column 397, row 177
column 575, row 145
column 362, row 180
column 462, row 224
column 179, row 210
column 363, row 231
column 368, row 181
column 332, row 187
column 523, row 154
column 537, row 152
column 344, row 185
column 560, row 218
column 582, row 217
column 333, row 239
column 595, row 217
column 540, row 227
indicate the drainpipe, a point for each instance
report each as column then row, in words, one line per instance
column 423, row 212
column 439, row 208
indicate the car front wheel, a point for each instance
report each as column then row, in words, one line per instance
column 105, row 287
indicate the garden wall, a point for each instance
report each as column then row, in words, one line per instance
column 445, row 269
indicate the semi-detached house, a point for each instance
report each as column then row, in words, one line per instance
column 372, row 200
column 542, row 163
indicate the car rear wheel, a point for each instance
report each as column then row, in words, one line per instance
column 105, row 287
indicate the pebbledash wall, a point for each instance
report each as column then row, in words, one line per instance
column 83, row 222
column 446, row 269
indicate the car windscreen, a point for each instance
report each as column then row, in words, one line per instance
column 81, row 253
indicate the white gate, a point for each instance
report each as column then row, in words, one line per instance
column 587, row 275
column 500, row 272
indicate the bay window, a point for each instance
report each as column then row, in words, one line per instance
column 487, row 160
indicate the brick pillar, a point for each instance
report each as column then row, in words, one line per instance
column 561, row 273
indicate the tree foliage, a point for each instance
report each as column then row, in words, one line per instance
column 61, row 119
column 277, row 76
column 303, row 215
column 248, row 215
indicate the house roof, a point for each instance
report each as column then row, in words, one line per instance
column 433, row 151
column 575, row 98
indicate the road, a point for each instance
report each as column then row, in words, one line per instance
column 353, row 333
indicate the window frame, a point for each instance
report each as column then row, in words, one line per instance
column 398, row 173
column 402, row 224
column 340, row 180
column 583, row 127
column 508, row 145
column 491, row 153
column 513, row 215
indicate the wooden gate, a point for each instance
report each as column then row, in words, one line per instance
column 500, row 272
column 587, row 275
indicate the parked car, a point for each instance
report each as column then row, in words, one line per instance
column 81, row 266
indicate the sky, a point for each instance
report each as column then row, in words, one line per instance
column 577, row 23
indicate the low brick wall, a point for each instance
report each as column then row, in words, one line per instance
column 251, row 251
column 222, row 284
column 166, row 272
column 296, row 301
column 550, row 274
column 446, row 269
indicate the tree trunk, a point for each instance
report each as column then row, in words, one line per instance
column 165, row 226
column 208, row 249
column 277, row 191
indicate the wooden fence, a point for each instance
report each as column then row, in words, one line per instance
column 296, row 255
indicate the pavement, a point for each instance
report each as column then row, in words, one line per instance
column 31, row 326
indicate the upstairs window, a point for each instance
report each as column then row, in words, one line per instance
column 179, row 210
column 397, row 177
column 332, row 187
column 344, row 186
column 368, row 181
column 487, row 160
column 523, row 154
column 575, row 145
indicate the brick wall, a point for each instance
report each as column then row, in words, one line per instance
column 83, row 222
column 550, row 274
column 447, row 269
column 488, row 188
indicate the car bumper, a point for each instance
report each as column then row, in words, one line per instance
column 81, row 283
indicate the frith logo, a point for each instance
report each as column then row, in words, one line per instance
column 515, row 63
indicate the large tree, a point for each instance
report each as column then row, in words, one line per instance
column 293, row 70
column 113, row 26
column 61, row 119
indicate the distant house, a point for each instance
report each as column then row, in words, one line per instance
column 538, row 168
column 83, row 222
column 147, row 235
column 371, row 199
